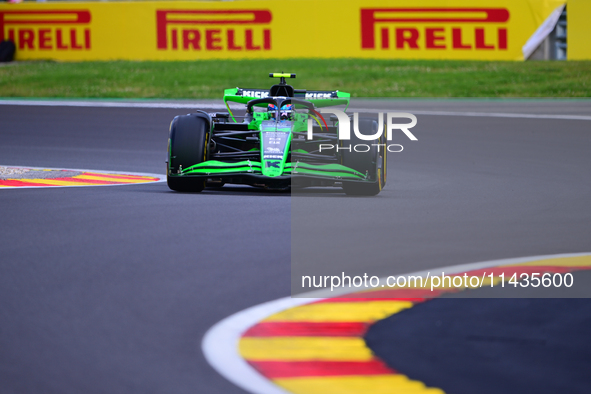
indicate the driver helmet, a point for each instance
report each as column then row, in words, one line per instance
column 272, row 108
column 286, row 111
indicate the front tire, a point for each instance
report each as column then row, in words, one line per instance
column 372, row 163
column 187, row 146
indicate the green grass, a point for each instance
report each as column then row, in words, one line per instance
column 362, row 78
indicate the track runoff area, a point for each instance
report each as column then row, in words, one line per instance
column 343, row 343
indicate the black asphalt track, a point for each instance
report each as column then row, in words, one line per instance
column 490, row 346
column 110, row 289
column 470, row 189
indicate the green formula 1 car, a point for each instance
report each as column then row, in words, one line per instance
column 282, row 140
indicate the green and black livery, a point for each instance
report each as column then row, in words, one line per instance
column 259, row 148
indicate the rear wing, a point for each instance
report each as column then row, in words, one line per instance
column 320, row 98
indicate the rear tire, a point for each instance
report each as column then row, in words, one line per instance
column 372, row 163
column 187, row 146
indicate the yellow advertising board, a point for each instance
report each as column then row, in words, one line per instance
column 421, row 29
column 579, row 30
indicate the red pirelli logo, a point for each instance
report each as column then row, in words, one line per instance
column 213, row 30
column 399, row 26
column 47, row 29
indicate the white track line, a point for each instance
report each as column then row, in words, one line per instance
column 482, row 114
column 217, row 106
column 161, row 178
column 220, row 343
column 112, row 104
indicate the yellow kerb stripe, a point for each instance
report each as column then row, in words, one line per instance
column 118, row 180
column 378, row 384
column 51, row 182
column 341, row 311
column 119, row 176
column 304, row 349
column 579, row 261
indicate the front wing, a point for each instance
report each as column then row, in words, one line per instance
column 250, row 172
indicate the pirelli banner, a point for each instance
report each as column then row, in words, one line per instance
column 421, row 29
